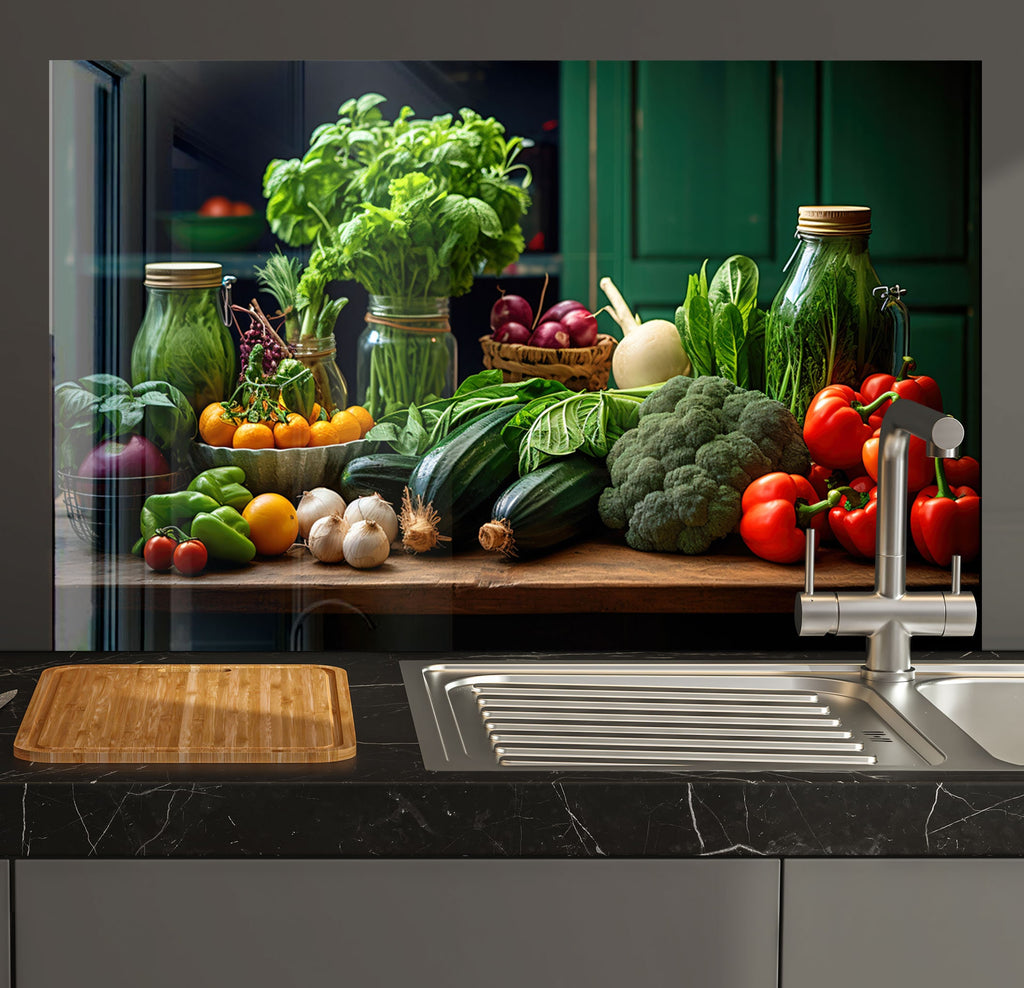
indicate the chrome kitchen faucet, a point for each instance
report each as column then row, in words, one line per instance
column 889, row 615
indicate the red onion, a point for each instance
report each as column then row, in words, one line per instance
column 511, row 332
column 556, row 312
column 511, row 308
column 136, row 458
column 581, row 327
column 552, row 335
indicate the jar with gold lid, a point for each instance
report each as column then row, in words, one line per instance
column 184, row 337
column 825, row 326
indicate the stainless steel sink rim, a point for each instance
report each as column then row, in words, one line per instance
column 898, row 729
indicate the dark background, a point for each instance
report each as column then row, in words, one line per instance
column 547, row 31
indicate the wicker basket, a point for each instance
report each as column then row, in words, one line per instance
column 584, row 368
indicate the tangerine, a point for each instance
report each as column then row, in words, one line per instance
column 292, row 433
column 324, row 433
column 273, row 523
column 348, row 426
column 214, row 428
column 253, row 435
column 365, row 419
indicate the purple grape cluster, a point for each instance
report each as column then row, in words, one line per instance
column 257, row 334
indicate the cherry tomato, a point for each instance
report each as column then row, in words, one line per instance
column 216, row 206
column 241, row 209
column 159, row 552
column 190, row 557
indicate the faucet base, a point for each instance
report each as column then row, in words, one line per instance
column 870, row 675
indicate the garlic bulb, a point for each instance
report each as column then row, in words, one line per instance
column 316, row 504
column 366, row 545
column 326, row 539
column 374, row 508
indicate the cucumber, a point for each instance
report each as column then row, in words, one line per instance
column 385, row 474
column 546, row 507
column 454, row 484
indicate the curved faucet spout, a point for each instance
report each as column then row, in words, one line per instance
column 943, row 435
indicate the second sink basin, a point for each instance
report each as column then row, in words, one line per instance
column 990, row 710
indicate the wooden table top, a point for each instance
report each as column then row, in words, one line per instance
column 602, row 575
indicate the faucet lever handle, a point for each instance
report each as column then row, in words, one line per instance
column 809, row 561
column 955, row 565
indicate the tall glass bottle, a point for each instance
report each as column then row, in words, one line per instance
column 406, row 355
column 825, row 326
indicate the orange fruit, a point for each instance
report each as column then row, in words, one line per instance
column 213, row 427
column 314, row 416
column 348, row 426
column 293, row 433
column 324, row 434
column 253, row 435
column 366, row 422
column 273, row 523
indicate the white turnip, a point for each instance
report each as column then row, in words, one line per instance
column 511, row 308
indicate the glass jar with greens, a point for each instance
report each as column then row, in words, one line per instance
column 824, row 326
column 318, row 354
column 184, row 337
column 406, row 355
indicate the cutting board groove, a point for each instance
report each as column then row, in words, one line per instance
column 188, row 713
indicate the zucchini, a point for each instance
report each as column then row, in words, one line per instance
column 546, row 507
column 385, row 474
column 452, row 487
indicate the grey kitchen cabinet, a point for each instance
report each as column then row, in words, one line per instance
column 5, row 925
column 391, row 923
column 944, row 923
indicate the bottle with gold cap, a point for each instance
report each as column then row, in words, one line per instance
column 824, row 326
column 184, row 337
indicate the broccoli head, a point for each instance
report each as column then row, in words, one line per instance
column 677, row 479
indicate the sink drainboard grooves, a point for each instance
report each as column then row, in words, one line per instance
column 566, row 724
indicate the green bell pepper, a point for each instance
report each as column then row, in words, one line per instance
column 225, row 533
column 165, row 510
column 226, row 485
column 298, row 389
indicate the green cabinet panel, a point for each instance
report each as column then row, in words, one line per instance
column 702, row 133
column 897, row 136
column 674, row 162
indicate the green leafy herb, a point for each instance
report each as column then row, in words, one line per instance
column 280, row 277
column 588, row 422
column 720, row 326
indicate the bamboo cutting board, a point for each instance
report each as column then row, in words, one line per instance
column 188, row 713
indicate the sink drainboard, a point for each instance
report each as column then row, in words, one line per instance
column 602, row 719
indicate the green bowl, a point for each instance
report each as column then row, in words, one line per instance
column 193, row 232
column 284, row 471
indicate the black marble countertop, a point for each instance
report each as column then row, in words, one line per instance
column 385, row 804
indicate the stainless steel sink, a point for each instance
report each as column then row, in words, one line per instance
column 671, row 716
column 990, row 710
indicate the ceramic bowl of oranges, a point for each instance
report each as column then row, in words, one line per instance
column 282, row 452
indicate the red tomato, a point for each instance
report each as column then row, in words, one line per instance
column 241, row 209
column 190, row 557
column 216, row 206
column 159, row 552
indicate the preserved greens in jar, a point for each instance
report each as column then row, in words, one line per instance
column 183, row 339
column 824, row 326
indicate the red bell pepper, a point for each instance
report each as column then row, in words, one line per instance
column 920, row 466
column 854, row 522
column 946, row 521
column 923, row 390
column 964, row 471
column 778, row 508
column 836, row 426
